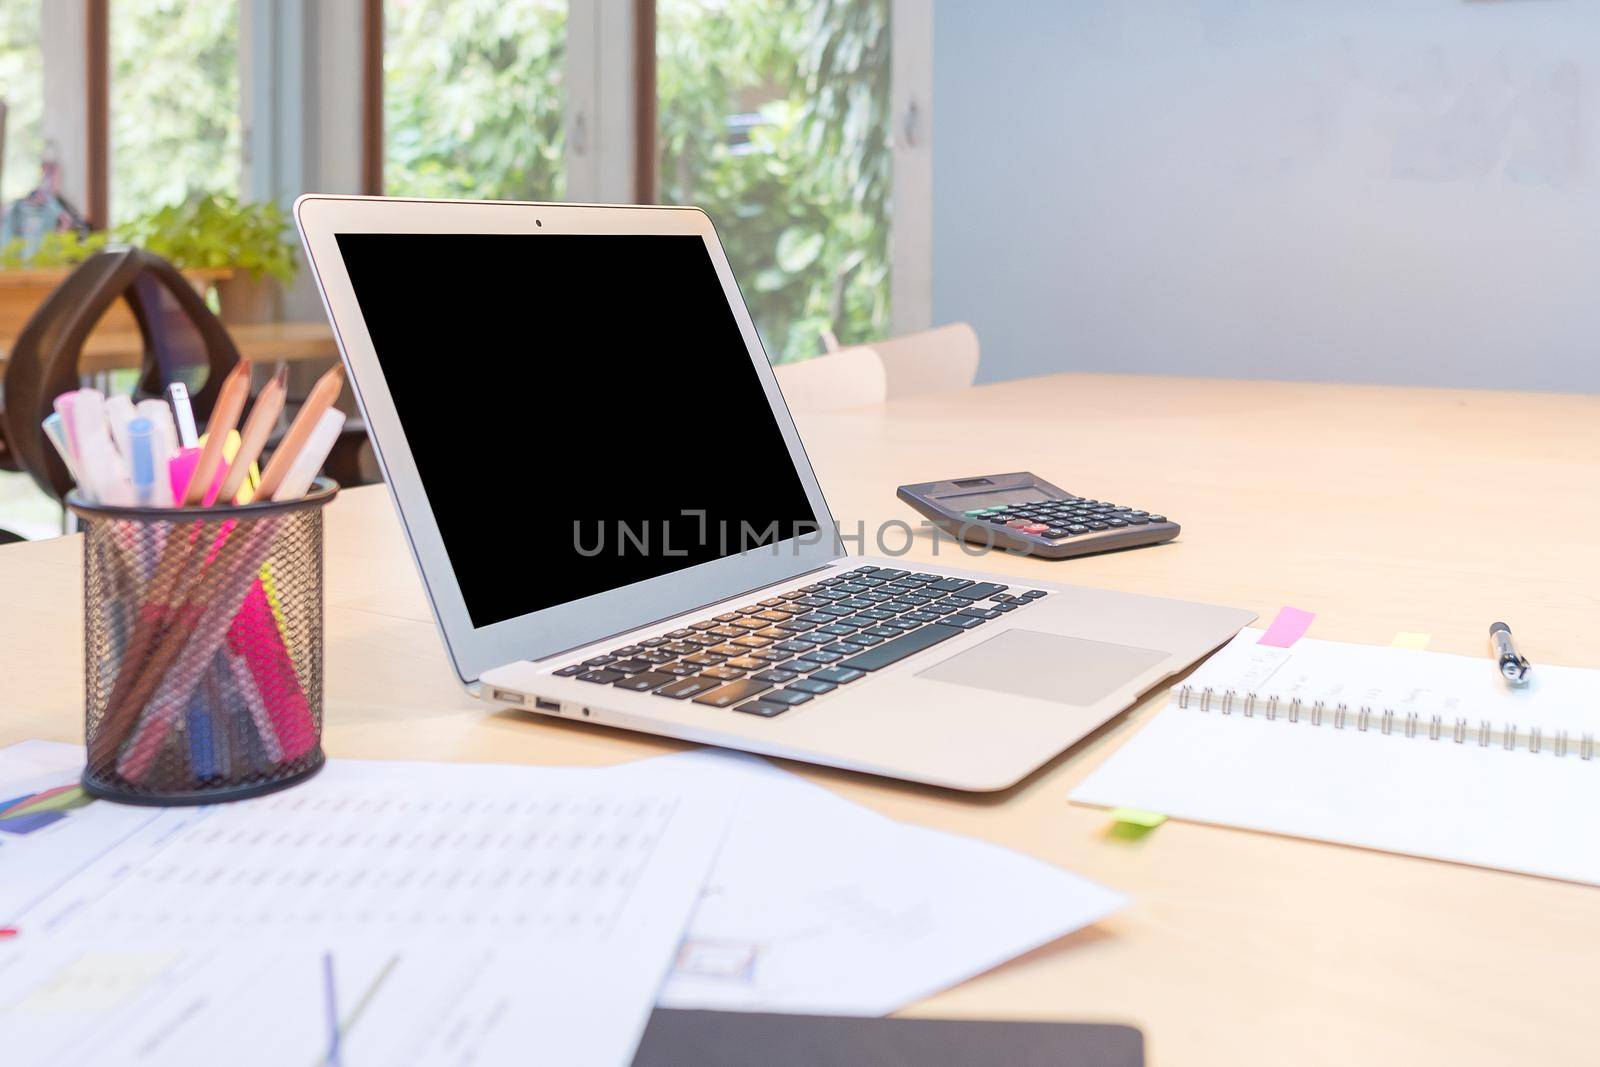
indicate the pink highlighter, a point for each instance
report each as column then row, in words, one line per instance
column 180, row 469
column 254, row 636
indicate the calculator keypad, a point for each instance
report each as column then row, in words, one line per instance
column 1058, row 520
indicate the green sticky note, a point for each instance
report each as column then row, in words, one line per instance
column 1149, row 820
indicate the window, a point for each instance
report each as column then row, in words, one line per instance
column 473, row 98
column 174, row 102
column 773, row 116
column 22, row 90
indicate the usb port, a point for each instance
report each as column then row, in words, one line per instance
column 546, row 705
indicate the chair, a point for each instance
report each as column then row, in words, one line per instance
column 932, row 361
column 183, row 341
column 849, row 378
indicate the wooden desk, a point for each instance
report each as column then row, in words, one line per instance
column 1380, row 509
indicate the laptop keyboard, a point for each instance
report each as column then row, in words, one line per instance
column 794, row 647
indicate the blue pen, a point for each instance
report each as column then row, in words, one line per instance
column 204, row 757
column 141, row 434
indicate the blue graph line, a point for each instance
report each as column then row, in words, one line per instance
column 331, row 1003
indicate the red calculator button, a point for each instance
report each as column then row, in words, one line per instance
column 1019, row 524
column 1035, row 528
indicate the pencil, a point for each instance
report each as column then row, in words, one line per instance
column 257, row 428
column 224, row 417
column 168, row 614
column 188, row 648
column 322, row 396
column 142, row 661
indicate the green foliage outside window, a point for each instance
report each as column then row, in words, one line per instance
column 804, row 209
column 473, row 98
column 22, row 88
column 175, row 129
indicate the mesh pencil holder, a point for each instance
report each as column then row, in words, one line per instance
column 202, row 648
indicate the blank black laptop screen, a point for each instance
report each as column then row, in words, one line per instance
column 582, row 409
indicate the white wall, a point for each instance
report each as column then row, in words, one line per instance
column 1361, row 190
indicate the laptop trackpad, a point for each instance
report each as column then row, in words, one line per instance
column 1067, row 670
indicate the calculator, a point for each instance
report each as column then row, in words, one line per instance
column 1027, row 514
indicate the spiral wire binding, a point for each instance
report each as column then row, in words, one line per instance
column 1558, row 744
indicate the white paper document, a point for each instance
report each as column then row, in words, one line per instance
column 378, row 913
column 463, row 913
column 39, row 853
column 819, row 905
column 1395, row 749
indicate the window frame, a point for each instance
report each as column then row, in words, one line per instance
column 611, row 82
column 611, row 92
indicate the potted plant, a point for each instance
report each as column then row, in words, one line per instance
column 251, row 243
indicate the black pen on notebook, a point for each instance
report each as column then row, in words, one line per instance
column 1514, row 666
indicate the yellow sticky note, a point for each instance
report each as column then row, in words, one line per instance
column 1135, row 817
column 1407, row 639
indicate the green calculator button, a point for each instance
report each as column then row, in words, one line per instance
column 975, row 512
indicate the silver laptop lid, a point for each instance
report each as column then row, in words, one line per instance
column 572, row 410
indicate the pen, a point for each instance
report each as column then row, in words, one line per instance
column 322, row 396
column 224, row 417
column 183, row 415
column 1514, row 666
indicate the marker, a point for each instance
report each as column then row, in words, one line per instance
column 54, row 430
column 306, row 465
column 142, row 460
column 183, row 415
column 89, row 419
column 104, row 477
column 160, row 415
column 180, row 469
column 64, row 405
column 1514, row 666
column 120, row 412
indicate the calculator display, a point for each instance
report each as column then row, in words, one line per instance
column 999, row 498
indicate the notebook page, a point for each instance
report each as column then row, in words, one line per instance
column 1465, row 802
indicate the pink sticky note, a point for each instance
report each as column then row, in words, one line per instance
column 1290, row 626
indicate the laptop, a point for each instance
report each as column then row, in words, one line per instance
column 615, row 520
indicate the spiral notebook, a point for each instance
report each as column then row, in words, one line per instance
column 1387, row 748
